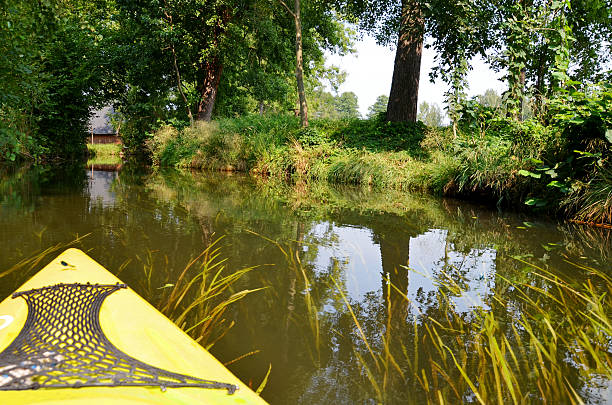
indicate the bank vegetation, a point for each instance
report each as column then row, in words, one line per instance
column 558, row 162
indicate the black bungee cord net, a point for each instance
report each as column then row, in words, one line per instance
column 62, row 345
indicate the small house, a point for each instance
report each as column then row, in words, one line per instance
column 100, row 128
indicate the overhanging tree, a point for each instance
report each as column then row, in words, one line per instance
column 191, row 38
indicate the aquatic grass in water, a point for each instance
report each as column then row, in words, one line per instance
column 197, row 300
column 546, row 340
column 592, row 203
column 550, row 343
column 29, row 265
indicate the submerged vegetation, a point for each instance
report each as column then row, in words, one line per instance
column 197, row 302
column 524, row 348
column 195, row 299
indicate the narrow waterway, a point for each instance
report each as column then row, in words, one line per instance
column 334, row 245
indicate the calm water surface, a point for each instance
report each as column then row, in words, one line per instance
column 347, row 239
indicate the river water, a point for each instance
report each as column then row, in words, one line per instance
column 315, row 248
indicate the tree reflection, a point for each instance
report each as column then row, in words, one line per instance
column 416, row 273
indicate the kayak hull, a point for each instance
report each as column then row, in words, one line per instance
column 134, row 327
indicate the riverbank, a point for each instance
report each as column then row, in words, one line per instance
column 506, row 163
column 104, row 154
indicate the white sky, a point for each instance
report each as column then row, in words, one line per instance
column 370, row 69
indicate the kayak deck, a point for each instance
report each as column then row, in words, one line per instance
column 135, row 328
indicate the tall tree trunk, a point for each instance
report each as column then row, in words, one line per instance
column 404, row 96
column 299, row 71
column 209, row 87
column 299, row 59
column 522, row 84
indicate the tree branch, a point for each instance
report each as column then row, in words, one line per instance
column 180, row 86
column 179, row 82
column 288, row 9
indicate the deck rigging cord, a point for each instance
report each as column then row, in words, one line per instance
column 62, row 345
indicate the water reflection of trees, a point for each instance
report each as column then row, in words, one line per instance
column 416, row 356
column 320, row 364
column 158, row 222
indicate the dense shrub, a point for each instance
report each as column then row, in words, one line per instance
column 379, row 135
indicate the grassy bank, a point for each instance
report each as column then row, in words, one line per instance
column 499, row 160
column 103, row 154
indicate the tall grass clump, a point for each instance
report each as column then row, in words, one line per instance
column 202, row 146
column 593, row 202
column 488, row 165
column 198, row 298
column 358, row 167
column 261, row 130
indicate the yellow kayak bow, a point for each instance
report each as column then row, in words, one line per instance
column 152, row 361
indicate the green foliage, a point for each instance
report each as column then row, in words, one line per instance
column 536, row 42
column 583, row 114
column 262, row 131
column 311, row 136
column 488, row 167
column 430, row 114
column 248, row 47
column 380, row 135
column 490, row 98
column 572, row 163
column 474, row 117
column 325, row 105
column 347, row 105
column 379, row 107
column 51, row 74
column 322, row 104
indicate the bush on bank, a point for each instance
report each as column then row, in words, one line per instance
column 408, row 157
column 558, row 163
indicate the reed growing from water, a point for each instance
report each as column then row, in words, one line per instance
column 198, row 298
column 27, row 266
column 544, row 341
